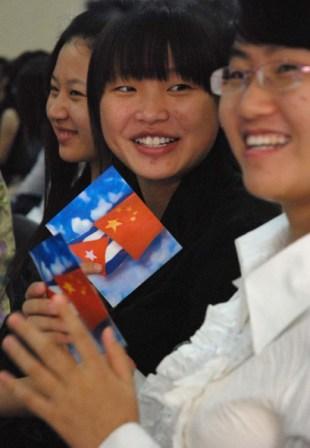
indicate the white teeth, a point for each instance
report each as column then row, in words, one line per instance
column 154, row 142
column 265, row 140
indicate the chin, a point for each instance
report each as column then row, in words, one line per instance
column 266, row 190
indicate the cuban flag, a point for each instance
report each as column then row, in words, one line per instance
column 97, row 247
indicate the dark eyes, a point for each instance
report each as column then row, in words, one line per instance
column 54, row 90
column 175, row 88
column 230, row 74
column 76, row 93
column 286, row 68
column 277, row 69
column 124, row 89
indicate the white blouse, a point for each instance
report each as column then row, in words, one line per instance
column 244, row 378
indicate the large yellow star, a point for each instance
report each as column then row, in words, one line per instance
column 113, row 224
column 68, row 287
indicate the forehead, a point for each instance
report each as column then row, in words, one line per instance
column 73, row 58
column 262, row 53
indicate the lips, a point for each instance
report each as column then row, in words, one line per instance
column 64, row 135
column 155, row 145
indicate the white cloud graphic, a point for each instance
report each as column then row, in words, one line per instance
column 80, row 226
column 102, row 208
column 45, row 272
column 114, row 197
column 57, row 267
column 84, row 197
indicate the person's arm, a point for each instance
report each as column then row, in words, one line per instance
column 9, row 124
column 83, row 402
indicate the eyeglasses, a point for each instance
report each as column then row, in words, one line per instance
column 277, row 76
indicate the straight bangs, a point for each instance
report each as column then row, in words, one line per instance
column 150, row 45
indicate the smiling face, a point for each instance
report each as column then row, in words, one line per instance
column 269, row 130
column 159, row 129
column 67, row 104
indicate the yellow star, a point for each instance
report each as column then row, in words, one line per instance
column 68, row 287
column 113, row 224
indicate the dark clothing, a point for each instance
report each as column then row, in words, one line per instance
column 207, row 212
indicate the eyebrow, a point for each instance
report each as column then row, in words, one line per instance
column 237, row 52
column 70, row 81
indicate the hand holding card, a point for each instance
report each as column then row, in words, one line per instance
column 60, row 271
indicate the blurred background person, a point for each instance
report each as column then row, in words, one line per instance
column 20, row 139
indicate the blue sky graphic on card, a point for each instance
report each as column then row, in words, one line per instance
column 110, row 225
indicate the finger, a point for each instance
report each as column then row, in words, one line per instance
column 81, row 338
column 36, row 289
column 36, row 306
column 48, row 323
column 91, row 268
column 31, row 398
column 55, row 357
column 60, row 338
column 116, row 355
column 42, row 378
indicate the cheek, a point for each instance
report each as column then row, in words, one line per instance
column 297, row 113
column 228, row 118
column 48, row 108
column 108, row 119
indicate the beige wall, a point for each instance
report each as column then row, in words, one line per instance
column 33, row 24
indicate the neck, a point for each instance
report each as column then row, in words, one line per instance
column 299, row 219
column 157, row 194
column 94, row 170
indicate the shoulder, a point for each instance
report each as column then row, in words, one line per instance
column 9, row 121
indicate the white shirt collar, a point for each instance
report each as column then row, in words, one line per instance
column 275, row 279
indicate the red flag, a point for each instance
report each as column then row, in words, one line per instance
column 132, row 225
column 92, row 251
column 85, row 298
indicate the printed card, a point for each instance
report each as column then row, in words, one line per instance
column 109, row 224
column 59, row 269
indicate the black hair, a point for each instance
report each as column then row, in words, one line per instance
column 11, row 70
column 197, row 33
column 30, row 95
column 62, row 175
column 272, row 22
column 63, row 180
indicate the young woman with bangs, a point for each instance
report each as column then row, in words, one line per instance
column 244, row 379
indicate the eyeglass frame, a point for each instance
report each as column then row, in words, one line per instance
column 259, row 75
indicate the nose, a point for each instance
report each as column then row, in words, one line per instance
column 57, row 108
column 152, row 109
column 256, row 100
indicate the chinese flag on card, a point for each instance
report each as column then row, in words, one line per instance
column 83, row 296
column 132, row 225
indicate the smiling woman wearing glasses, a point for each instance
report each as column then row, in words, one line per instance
column 246, row 379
